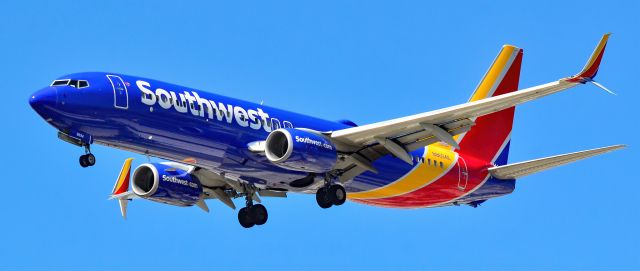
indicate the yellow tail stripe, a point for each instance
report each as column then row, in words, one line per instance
column 494, row 72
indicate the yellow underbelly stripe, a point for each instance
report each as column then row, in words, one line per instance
column 421, row 175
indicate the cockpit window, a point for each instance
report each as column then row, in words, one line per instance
column 71, row 82
column 83, row 84
column 63, row 82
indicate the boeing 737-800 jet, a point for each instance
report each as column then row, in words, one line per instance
column 223, row 148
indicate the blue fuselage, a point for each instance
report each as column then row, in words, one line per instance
column 177, row 123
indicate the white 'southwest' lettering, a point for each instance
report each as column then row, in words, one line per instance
column 310, row 141
column 190, row 101
column 174, row 179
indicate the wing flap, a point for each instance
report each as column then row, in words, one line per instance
column 517, row 170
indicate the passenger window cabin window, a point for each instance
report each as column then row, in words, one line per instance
column 441, row 165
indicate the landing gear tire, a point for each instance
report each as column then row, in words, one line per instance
column 87, row 160
column 330, row 196
column 337, row 195
column 91, row 159
column 83, row 161
column 323, row 199
column 259, row 214
column 253, row 215
column 245, row 218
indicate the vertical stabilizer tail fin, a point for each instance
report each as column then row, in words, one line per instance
column 489, row 138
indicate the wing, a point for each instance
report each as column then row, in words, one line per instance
column 402, row 135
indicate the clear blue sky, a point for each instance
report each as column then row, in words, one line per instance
column 363, row 60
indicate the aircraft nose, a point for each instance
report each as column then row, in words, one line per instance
column 46, row 97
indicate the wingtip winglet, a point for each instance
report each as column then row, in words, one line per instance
column 121, row 187
column 122, row 184
column 593, row 64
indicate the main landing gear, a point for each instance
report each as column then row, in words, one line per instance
column 330, row 194
column 253, row 214
column 88, row 159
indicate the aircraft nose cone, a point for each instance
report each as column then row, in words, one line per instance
column 44, row 98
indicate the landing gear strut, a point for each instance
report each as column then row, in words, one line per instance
column 330, row 194
column 253, row 214
column 88, row 159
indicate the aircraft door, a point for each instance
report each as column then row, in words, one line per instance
column 463, row 173
column 120, row 92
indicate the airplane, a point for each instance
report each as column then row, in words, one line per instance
column 222, row 148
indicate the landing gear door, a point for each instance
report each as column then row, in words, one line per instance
column 120, row 93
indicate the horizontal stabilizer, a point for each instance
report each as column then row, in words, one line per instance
column 517, row 170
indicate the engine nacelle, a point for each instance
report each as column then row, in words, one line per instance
column 301, row 150
column 166, row 184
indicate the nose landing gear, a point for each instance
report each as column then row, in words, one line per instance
column 88, row 159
